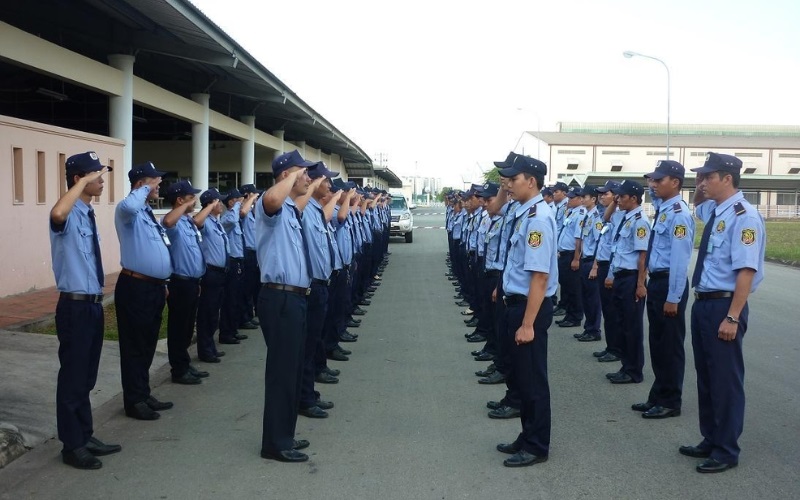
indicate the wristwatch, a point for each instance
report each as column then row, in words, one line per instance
column 731, row 319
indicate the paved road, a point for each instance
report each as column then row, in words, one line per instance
column 410, row 420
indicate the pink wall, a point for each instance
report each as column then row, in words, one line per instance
column 25, row 242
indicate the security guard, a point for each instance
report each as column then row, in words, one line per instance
column 250, row 272
column 568, row 269
column 627, row 278
column 141, row 290
column 587, row 234
column 214, row 245
column 285, row 276
column 78, row 269
column 530, row 278
column 730, row 266
column 672, row 240
column 188, row 268
column 233, row 302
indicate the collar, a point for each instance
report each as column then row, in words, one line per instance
column 314, row 202
column 670, row 202
column 527, row 205
column 728, row 203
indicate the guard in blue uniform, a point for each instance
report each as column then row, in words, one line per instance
column 250, row 272
column 730, row 266
column 233, row 302
column 188, row 268
column 627, row 279
column 568, row 264
column 78, row 269
column 141, row 290
column 529, row 280
column 587, row 235
column 285, row 276
column 214, row 245
column 671, row 243
column 559, row 192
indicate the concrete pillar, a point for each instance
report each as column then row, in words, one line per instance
column 249, row 153
column 280, row 134
column 301, row 146
column 200, row 145
column 120, row 108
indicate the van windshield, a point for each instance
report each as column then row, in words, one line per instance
column 398, row 203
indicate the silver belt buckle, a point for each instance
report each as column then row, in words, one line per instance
column 505, row 302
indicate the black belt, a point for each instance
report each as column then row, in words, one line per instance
column 143, row 277
column 659, row 275
column 511, row 300
column 603, row 262
column 184, row 278
column 712, row 295
column 320, row 282
column 288, row 288
column 250, row 250
column 493, row 273
column 236, row 259
column 334, row 274
column 217, row 268
column 83, row 297
column 622, row 273
column 587, row 259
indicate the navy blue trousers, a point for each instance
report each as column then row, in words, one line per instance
column 613, row 344
column 232, row 301
column 208, row 309
column 590, row 297
column 529, row 373
column 79, row 327
column 570, row 282
column 315, row 320
column 666, row 337
column 182, row 311
column 283, row 323
column 720, row 378
column 251, row 284
column 505, row 346
column 629, row 324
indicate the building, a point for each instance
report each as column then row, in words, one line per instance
column 595, row 152
column 137, row 80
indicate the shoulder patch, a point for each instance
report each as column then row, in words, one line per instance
column 638, row 215
column 598, row 225
column 535, row 239
column 641, row 233
column 679, row 232
column 739, row 208
column 532, row 211
column 748, row 236
column 677, row 208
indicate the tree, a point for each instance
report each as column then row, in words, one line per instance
column 492, row 175
column 444, row 192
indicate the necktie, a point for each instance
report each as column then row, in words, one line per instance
column 328, row 239
column 98, row 261
column 158, row 226
column 652, row 237
column 616, row 238
column 703, row 250
column 305, row 241
column 567, row 214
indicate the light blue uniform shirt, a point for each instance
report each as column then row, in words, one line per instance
column 279, row 246
column 572, row 222
column 215, row 242
column 509, row 210
column 72, row 252
column 338, row 263
column 363, row 223
column 532, row 249
column 358, row 238
column 458, row 223
column 344, row 236
column 249, row 229
column 319, row 250
column 673, row 240
column 187, row 258
column 633, row 237
column 475, row 222
column 230, row 221
column 736, row 242
column 607, row 235
column 561, row 212
column 142, row 240
column 493, row 243
column 483, row 227
column 589, row 232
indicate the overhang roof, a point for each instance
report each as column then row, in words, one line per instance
column 390, row 177
column 778, row 183
column 659, row 141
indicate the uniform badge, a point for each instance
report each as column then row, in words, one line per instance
column 662, row 218
column 628, row 224
column 93, row 155
column 535, row 239
column 748, row 236
column 599, row 226
column 721, row 226
column 641, row 233
column 680, row 231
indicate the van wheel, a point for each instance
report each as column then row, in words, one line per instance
column 409, row 237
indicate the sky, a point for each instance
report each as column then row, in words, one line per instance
column 442, row 88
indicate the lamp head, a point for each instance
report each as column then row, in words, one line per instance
column 628, row 54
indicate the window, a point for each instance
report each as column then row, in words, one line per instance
column 62, row 174
column 264, row 180
column 750, row 170
column 787, row 199
column 572, row 166
column 616, row 167
column 749, row 155
column 794, row 170
column 41, row 186
column 614, row 152
column 662, row 153
column 752, row 197
column 112, row 197
column 788, row 155
column 572, row 151
column 17, row 173
column 697, row 153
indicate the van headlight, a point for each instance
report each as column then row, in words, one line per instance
column 405, row 216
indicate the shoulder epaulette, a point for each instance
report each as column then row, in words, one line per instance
column 677, row 207
column 638, row 215
column 532, row 211
column 739, row 208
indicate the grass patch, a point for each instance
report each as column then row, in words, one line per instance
column 783, row 239
column 111, row 332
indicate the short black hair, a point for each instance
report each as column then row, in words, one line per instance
column 71, row 178
column 539, row 179
column 735, row 177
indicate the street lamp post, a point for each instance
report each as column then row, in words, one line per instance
column 628, row 54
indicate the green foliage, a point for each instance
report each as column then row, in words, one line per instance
column 444, row 192
column 492, row 175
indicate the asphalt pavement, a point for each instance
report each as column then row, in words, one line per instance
column 410, row 419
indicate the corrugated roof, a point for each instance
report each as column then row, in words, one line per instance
column 709, row 142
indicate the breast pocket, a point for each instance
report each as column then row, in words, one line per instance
column 514, row 253
column 296, row 233
column 662, row 237
column 718, row 248
column 86, row 242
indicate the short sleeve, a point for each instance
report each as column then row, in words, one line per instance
column 539, row 245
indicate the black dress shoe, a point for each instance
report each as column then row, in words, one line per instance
column 141, row 411
column 197, row 373
column 488, row 371
column 365, row 302
column 346, row 337
column 476, row 337
column 209, row 359
column 186, row 379
column 567, row 324
column 493, row 405
column 300, row 444
column 337, row 355
column 694, row 451
column 458, row 297
column 463, row 303
column 371, row 289
column 642, row 406
column 484, row 356
column 157, row 405
column 324, row 378
column 80, row 458
column 494, row 378
column 504, row 412
column 622, row 378
column 248, row 326
column 313, row 412
column 710, row 466
column 589, row 338
column 220, row 354
column 578, row 335
column 332, row 372
column 359, row 312
column 285, row 456
column 559, row 311
column 477, row 352
column 661, row 412
column 369, row 295
column 240, row 336
column 255, row 321
column 468, row 312
column 608, row 358
column 232, row 340
column 99, row 449
column 599, row 354
column 353, row 324
column 344, row 351
column 472, row 323
column 325, row 405
column 356, row 321
column 509, row 448
column 523, row 459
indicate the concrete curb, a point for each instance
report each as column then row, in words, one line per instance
column 12, row 444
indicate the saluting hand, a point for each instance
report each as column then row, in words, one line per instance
column 92, row 176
